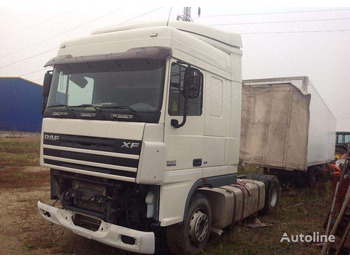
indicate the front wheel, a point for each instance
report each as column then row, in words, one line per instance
column 191, row 236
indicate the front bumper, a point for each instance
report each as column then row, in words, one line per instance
column 107, row 233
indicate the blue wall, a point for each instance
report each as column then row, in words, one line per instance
column 20, row 105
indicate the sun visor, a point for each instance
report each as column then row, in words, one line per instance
column 134, row 53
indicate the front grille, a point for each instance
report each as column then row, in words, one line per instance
column 93, row 143
column 101, row 155
column 110, row 160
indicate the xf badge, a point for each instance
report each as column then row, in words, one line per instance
column 130, row 145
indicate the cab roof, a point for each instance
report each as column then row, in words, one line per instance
column 208, row 34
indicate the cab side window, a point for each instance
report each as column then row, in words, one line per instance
column 176, row 98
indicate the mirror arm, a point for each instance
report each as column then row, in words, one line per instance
column 44, row 106
column 175, row 122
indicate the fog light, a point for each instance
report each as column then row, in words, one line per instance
column 128, row 240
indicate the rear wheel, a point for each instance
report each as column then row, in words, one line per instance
column 273, row 195
column 272, row 191
column 191, row 236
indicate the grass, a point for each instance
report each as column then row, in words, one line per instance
column 245, row 170
column 19, row 151
column 20, row 175
column 16, row 155
column 300, row 211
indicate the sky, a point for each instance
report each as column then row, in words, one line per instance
column 278, row 41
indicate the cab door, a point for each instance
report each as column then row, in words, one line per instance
column 217, row 122
column 184, row 145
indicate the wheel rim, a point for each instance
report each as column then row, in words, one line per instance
column 199, row 226
column 274, row 195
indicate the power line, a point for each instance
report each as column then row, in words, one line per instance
column 287, row 12
column 69, row 30
column 285, row 21
column 34, row 25
column 42, row 69
column 295, row 32
column 27, row 58
column 143, row 14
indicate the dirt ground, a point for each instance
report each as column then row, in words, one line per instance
column 24, row 231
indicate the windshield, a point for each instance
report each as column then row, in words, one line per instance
column 131, row 87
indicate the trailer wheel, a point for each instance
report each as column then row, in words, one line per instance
column 191, row 236
column 272, row 191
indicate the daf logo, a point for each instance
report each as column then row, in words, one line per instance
column 130, row 145
column 52, row 137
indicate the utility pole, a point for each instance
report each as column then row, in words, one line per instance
column 186, row 15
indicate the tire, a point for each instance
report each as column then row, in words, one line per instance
column 191, row 236
column 272, row 191
column 315, row 174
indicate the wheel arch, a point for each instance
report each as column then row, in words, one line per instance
column 216, row 181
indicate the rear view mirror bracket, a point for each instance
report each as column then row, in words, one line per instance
column 46, row 89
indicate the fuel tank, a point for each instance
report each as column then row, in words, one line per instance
column 233, row 203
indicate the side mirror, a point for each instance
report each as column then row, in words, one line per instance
column 192, row 82
column 191, row 89
column 47, row 83
column 46, row 89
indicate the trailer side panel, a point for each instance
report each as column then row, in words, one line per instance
column 322, row 127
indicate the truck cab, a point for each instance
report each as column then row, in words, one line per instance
column 137, row 119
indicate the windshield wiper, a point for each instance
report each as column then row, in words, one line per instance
column 132, row 111
column 91, row 105
column 60, row 105
column 88, row 105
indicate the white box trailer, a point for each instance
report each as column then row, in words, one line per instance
column 285, row 124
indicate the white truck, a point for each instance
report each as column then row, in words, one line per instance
column 141, row 132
